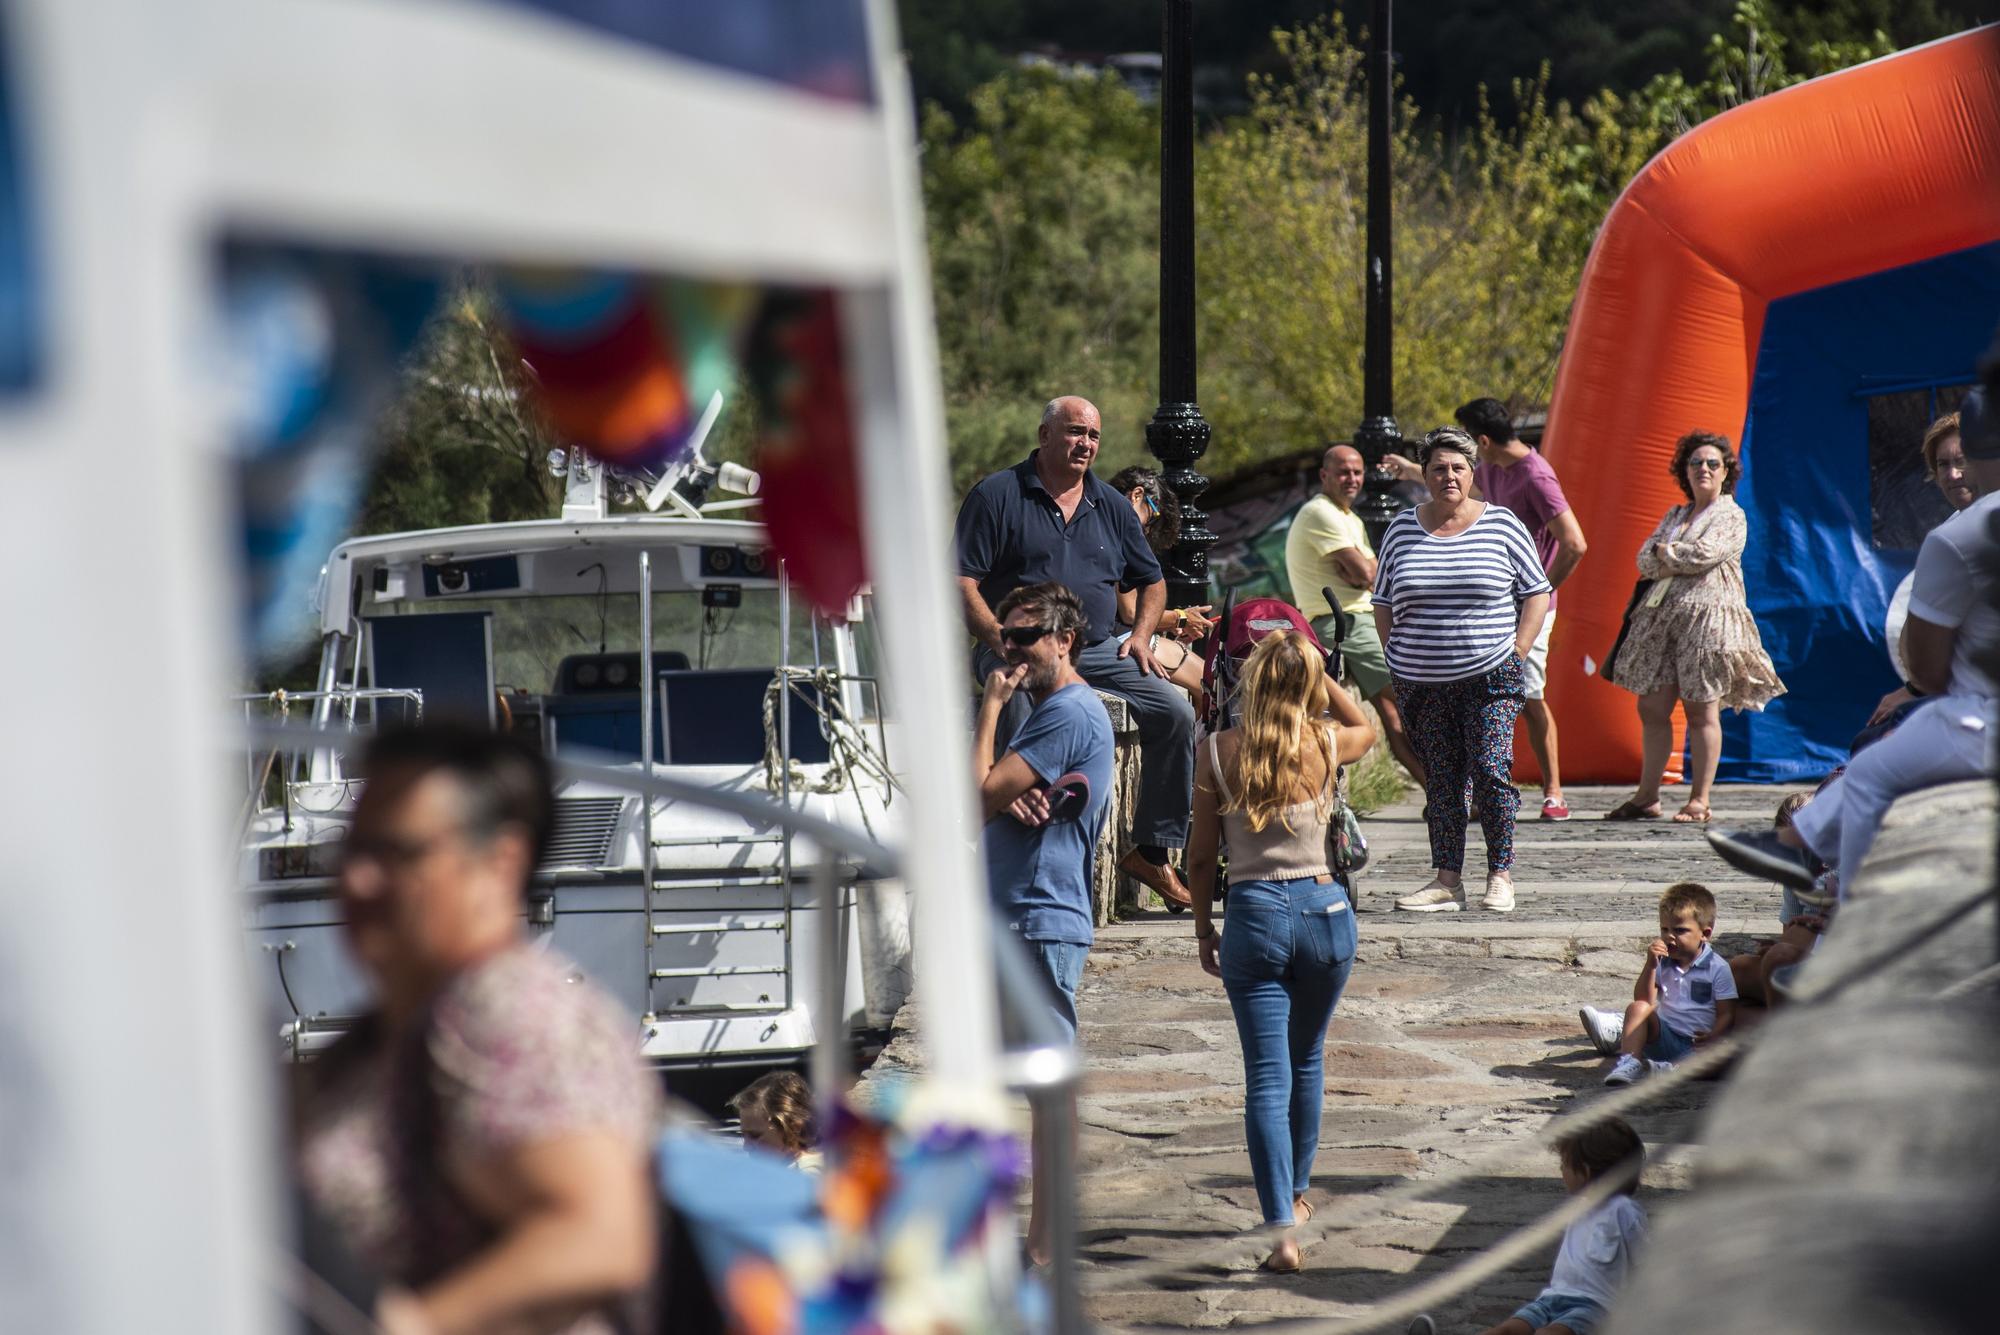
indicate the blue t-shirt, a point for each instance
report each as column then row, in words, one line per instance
column 1040, row 876
column 1011, row 532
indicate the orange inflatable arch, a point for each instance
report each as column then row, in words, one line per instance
column 1770, row 275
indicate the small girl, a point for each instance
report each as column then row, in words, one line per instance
column 776, row 1114
column 1597, row 1249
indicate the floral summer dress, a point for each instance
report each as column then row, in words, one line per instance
column 513, row 1052
column 1693, row 631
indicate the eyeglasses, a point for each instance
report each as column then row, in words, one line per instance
column 1706, row 464
column 1025, row 635
column 391, row 853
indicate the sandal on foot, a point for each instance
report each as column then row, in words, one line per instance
column 1630, row 810
column 1267, row 1264
column 1694, row 813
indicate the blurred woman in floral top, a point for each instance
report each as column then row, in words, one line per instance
column 483, row 1136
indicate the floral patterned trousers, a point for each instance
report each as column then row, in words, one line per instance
column 1463, row 731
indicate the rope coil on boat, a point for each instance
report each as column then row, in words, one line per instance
column 849, row 757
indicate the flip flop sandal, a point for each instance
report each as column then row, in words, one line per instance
column 1629, row 810
column 1687, row 815
column 1069, row 797
column 1293, row 1269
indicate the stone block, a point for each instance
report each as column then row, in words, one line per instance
column 1443, row 947
column 1555, row 949
column 1611, row 962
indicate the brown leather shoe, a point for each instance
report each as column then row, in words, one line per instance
column 1156, row 876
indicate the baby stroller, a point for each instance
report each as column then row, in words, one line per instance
column 1241, row 626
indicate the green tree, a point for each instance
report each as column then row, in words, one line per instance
column 1491, row 233
column 1043, row 223
column 461, row 445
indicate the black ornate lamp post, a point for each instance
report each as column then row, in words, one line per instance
column 1378, row 433
column 1177, row 435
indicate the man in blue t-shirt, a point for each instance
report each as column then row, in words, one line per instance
column 1039, row 852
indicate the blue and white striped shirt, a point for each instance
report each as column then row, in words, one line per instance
column 1457, row 600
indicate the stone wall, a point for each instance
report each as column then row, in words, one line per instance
column 1114, row 894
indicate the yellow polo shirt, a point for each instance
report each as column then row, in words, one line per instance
column 1320, row 529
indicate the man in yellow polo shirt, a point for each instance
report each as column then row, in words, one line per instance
column 1328, row 548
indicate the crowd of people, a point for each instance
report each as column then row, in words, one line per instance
column 481, row 1139
column 1446, row 632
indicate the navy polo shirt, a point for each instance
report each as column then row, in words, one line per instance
column 1011, row 532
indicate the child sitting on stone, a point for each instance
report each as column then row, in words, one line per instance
column 1597, row 1250
column 1685, row 996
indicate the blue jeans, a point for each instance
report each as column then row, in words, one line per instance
column 1669, row 1045
column 1566, row 1309
column 1287, row 947
column 1061, row 965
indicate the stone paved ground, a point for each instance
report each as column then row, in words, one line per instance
column 1456, row 1038
column 1457, row 1035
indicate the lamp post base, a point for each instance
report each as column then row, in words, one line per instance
column 1378, row 503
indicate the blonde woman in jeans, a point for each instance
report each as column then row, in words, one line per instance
column 1267, row 788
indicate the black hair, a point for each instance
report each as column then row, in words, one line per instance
column 1606, row 1147
column 502, row 782
column 1165, row 526
column 1684, row 450
column 1488, row 418
column 1051, row 605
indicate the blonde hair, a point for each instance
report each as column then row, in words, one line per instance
column 1285, row 693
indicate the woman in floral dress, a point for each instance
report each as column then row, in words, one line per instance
column 1692, row 639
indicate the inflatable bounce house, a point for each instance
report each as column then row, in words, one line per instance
column 1814, row 274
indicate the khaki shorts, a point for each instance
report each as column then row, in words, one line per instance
column 1536, row 678
column 1361, row 653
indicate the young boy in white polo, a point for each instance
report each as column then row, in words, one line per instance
column 1685, row 995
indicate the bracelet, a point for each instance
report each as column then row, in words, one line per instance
column 1203, row 936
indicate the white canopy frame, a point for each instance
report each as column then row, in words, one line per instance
column 153, row 129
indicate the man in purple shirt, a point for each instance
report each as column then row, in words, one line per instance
column 1513, row 475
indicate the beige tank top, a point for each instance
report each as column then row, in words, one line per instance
column 1275, row 853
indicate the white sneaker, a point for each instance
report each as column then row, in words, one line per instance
column 1437, row 897
column 1627, row 1070
column 1603, row 1028
column 1499, row 894
column 1658, row 1068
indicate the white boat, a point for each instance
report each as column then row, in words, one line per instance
column 535, row 627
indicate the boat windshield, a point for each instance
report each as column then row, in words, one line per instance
column 532, row 636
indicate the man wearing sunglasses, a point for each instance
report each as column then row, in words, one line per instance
column 1038, row 862
column 1048, row 519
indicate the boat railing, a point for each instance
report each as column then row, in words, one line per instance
column 258, row 792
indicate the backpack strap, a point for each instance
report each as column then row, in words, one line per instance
column 1215, row 764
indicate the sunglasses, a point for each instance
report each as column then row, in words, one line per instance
column 1025, row 635
column 1706, row 464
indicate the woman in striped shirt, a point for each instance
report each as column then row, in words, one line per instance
column 1459, row 598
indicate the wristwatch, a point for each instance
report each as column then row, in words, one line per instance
column 1203, row 936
